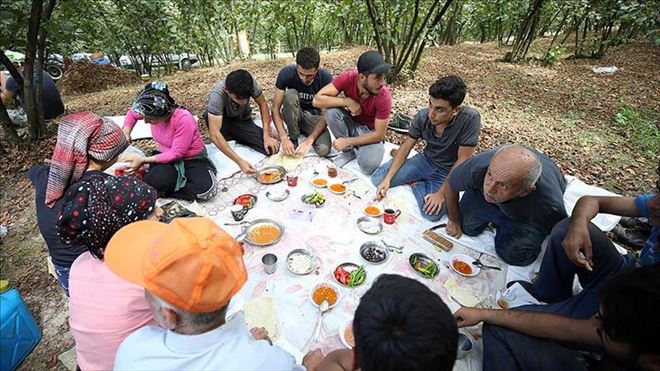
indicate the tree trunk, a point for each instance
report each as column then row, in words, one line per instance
column 41, row 57
column 7, row 125
column 11, row 68
column 35, row 123
column 527, row 32
column 554, row 38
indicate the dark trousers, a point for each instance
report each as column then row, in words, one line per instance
column 509, row 350
column 200, row 183
column 517, row 242
column 554, row 283
column 245, row 132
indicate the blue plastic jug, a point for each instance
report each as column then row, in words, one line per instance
column 19, row 333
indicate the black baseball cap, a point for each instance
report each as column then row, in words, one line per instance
column 372, row 62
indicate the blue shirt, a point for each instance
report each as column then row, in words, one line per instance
column 650, row 254
column 288, row 78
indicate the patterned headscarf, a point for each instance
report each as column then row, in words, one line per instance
column 80, row 135
column 94, row 209
column 154, row 100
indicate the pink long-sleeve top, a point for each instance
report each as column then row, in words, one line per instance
column 179, row 139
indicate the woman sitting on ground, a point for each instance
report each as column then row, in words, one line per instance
column 86, row 144
column 182, row 169
column 103, row 308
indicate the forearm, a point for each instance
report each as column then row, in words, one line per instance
column 224, row 147
column 318, row 129
column 399, row 159
column 327, row 101
column 364, row 139
column 151, row 160
column 127, row 132
column 279, row 126
column 451, row 199
column 279, row 123
column 265, row 120
column 542, row 325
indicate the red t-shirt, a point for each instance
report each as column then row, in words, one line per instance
column 374, row 107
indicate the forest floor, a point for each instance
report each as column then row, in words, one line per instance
column 566, row 111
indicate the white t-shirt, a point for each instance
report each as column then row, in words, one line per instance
column 228, row 347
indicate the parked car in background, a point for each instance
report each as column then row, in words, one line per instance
column 183, row 61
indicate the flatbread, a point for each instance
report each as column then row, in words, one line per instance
column 290, row 163
column 462, row 295
column 261, row 313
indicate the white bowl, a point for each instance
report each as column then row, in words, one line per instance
column 335, row 192
column 342, row 331
column 333, row 286
column 319, row 186
column 381, row 210
column 467, row 260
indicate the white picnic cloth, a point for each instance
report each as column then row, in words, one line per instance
column 334, row 237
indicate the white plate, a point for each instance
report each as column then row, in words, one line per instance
column 278, row 195
column 335, row 192
column 319, row 186
column 342, row 331
column 467, row 260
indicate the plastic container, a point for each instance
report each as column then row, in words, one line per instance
column 19, row 333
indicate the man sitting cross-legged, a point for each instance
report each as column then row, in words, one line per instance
column 400, row 324
column 517, row 189
column 295, row 88
column 576, row 242
column 190, row 269
column 625, row 330
column 229, row 117
column 451, row 132
column 359, row 119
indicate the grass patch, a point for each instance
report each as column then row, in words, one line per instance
column 641, row 127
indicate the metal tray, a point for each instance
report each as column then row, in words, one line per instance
column 260, row 174
column 256, row 223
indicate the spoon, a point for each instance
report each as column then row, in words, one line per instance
column 349, row 181
column 239, row 223
column 325, row 305
column 481, row 265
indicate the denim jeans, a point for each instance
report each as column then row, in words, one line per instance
column 343, row 125
column 506, row 349
column 426, row 178
column 63, row 277
column 517, row 242
column 554, row 283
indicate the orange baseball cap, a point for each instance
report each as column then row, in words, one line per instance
column 191, row 263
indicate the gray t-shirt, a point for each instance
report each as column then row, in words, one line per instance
column 545, row 205
column 221, row 105
column 442, row 151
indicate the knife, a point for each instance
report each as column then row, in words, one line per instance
column 437, row 226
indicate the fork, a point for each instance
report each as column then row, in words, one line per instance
column 481, row 265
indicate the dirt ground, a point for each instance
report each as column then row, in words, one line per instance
column 566, row 111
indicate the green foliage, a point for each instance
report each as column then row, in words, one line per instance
column 642, row 128
column 554, row 55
